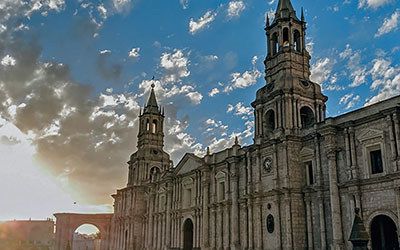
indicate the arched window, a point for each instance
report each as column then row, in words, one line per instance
column 275, row 43
column 147, row 125
column 307, row 117
column 285, row 37
column 296, row 39
column 270, row 120
column 154, row 127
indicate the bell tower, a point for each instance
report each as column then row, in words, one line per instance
column 150, row 160
column 289, row 102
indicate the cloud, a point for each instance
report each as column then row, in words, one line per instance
column 202, row 23
column 389, row 24
column 349, row 100
column 373, row 4
column 356, row 70
column 134, row 53
column 245, row 79
column 213, row 92
column 175, row 65
column 385, row 79
column 235, row 8
column 321, row 70
column 184, row 3
column 8, row 61
column 122, row 5
column 110, row 71
column 240, row 110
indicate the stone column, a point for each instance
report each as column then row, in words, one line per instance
column 213, row 223
column 397, row 191
column 226, row 223
column 150, row 234
column 354, row 166
column 309, row 224
column 205, row 242
column 251, row 222
column 348, row 153
column 335, row 199
column 288, row 222
column 235, row 242
column 391, row 137
column 257, row 224
column 244, row 239
column 168, row 217
column 257, row 171
column 218, row 234
column 397, row 132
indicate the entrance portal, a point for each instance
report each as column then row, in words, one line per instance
column 384, row 233
column 188, row 235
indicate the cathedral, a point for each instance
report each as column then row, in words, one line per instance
column 296, row 187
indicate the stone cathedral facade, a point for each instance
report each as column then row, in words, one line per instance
column 296, row 187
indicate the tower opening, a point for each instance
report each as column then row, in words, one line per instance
column 86, row 236
column 286, row 37
column 307, row 117
column 154, row 174
column 147, row 125
column 275, row 43
column 154, row 127
column 270, row 121
column 296, row 39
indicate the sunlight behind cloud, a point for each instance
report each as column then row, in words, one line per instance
column 27, row 191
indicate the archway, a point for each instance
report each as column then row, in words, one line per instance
column 86, row 237
column 188, row 235
column 67, row 223
column 307, row 117
column 384, row 233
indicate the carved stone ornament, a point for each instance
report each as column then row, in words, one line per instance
column 268, row 164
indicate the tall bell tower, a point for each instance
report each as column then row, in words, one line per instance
column 150, row 161
column 290, row 102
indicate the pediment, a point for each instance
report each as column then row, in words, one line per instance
column 188, row 163
column 370, row 133
column 306, row 152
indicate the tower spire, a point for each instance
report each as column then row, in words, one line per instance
column 152, row 106
column 285, row 9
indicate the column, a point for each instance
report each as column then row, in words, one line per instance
column 322, row 222
column 309, row 224
column 257, row 171
column 226, row 226
column 354, row 166
column 335, row 199
column 348, row 153
column 391, row 137
column 168, row 217
column 250, row 224
column 295, row 117
column 288, row 222
column 213, row 225
column 257, row 224
column 206, row 232
column 397, row 192
column 218, row 234
column 235, row 243
column 397, row 132
column 150, row 235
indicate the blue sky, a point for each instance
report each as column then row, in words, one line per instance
column 73, row 75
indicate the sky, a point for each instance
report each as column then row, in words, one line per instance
column 74, row 74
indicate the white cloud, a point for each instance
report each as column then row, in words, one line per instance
column 8, row 61
column 321, row 70
column 105, row 51
column 214, row 92
column 235, row 8
column 184, row 3
column 176, row 65
column 390, row 24
column 134, row 53
column 240, row 110
column 374, row 4
column 102, row 10
column 349, row 100
column 245, row 79
column 202, row 23
column 356, row 70
column 122, row 5
column 195, row 97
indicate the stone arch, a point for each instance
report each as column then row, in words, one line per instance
column 155, row 173
column 154, row 126
column 297, row 40
column 275, row 43
column 383, row 231
column 307, row 117
column 67, row 223
column 285, row 37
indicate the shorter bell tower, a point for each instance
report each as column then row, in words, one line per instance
column 290, row 102
column 150, row 161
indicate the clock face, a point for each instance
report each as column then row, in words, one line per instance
column 268, row 164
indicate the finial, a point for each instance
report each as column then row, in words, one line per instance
column 208, row 150
column 267, row 20
column 153, row 85
column 302, row 14
column 236, row 140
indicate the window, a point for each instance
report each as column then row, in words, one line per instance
column 188, row 197
column 376, row 161
column 147, row 125
column 310, row 173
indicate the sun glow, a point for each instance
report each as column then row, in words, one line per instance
column 26, row 189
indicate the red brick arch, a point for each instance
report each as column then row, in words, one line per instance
column 67, row 223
